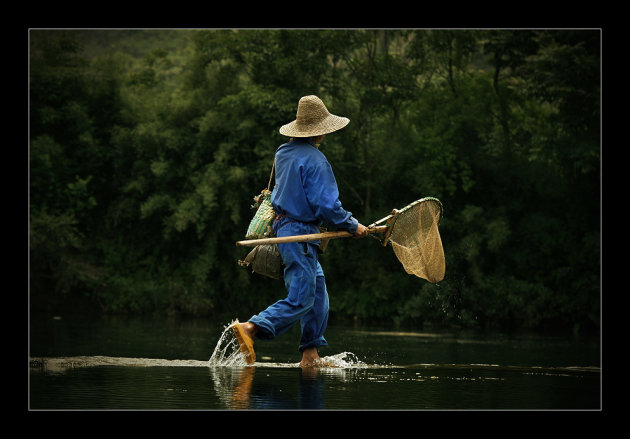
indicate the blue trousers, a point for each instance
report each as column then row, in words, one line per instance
column 307, row 299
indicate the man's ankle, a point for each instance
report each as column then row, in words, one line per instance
column 249, row 328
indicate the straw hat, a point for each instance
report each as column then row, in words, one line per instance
column 313, row 119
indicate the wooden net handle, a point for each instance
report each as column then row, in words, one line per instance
column 304, row 238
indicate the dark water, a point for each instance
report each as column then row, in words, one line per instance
column 143, row 364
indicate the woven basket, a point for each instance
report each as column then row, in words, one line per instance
column 265, row 260
column 261, row 226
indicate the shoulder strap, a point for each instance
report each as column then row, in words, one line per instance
column 273, row 166
column 271, row 176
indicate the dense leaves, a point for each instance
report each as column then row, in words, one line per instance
column 146, row 148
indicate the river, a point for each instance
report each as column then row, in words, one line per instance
column 129, row 363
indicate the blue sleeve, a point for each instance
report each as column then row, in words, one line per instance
column 323, row 196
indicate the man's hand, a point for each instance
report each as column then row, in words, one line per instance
column 361, row 231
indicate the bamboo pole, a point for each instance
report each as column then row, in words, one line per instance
column 304, row 238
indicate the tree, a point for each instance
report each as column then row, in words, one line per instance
column 144, row 161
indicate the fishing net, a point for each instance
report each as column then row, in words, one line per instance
column 412, row 231
column 416, row 240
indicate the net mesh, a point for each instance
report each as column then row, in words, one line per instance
column 416, row 239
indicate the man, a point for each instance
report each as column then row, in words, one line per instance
column 305, row 196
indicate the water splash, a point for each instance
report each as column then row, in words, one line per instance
column 227, row 352
column 344, row 360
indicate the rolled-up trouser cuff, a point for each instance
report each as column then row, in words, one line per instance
column 313, row 344
column 266, row 330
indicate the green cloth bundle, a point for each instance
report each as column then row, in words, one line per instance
column 261, row 226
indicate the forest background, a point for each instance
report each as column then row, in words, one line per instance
column 147, row 147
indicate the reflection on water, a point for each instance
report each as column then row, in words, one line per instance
column 236, row 390
column 89, row 366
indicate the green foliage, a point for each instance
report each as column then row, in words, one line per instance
column 147, row 148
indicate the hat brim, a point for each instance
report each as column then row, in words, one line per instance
column 330, row 124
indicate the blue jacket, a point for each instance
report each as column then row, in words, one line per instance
column 306, row 189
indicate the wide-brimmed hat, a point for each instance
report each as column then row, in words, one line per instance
column 313, row 119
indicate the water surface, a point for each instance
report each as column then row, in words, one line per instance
column 185, row 364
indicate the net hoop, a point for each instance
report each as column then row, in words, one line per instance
column 416, row 240
column 422, row 200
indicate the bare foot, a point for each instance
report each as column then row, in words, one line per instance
column 310, row 357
